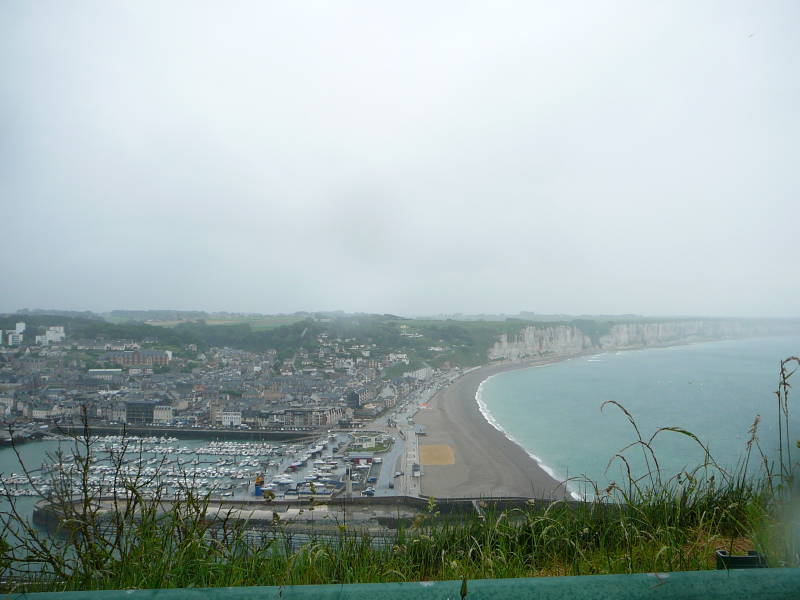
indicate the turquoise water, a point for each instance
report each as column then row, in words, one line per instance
column 713, row 389
column 33, row 454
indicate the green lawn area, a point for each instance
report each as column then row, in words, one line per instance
column 379, row 448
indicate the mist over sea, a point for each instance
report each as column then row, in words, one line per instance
column 712, row 389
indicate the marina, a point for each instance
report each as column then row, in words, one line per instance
column 331, row 467
column 167, row 466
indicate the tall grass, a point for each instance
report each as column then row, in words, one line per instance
column 648, row 524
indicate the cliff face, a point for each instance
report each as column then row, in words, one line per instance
column 570, row 339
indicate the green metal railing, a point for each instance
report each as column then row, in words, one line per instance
column 767, row 584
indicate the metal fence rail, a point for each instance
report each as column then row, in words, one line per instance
column 768, row 584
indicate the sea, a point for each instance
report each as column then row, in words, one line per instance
column 562, row 414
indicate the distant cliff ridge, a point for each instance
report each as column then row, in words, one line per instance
column 535, row 340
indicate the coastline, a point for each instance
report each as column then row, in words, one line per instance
column 486, row 463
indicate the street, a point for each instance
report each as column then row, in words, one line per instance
column 404, row 453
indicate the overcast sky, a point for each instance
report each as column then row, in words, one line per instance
column 404, row 157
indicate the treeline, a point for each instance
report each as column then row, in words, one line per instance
column 180, row 315
column 286, row 339
column 78, row 328
column 466, row 342
column 86, row 314
column 157, row 315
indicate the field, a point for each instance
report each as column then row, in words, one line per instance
column 257, row 323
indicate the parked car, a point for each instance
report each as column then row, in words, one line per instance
column 368, row 493
column 372, row 479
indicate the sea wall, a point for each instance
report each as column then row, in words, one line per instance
column 387, row 511
column 583, row 336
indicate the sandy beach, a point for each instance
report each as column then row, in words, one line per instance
column 466, row 456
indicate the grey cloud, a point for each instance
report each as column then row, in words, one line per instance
column 415, row 158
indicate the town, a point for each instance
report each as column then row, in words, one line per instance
column 353, row 394
column 57, row 380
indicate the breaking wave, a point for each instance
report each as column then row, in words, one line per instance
column 487, row 414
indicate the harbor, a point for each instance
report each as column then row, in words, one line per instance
column 368, row 477
column 169, row 466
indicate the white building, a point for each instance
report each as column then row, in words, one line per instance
column 40, row 414
column 231, row 418
column 397, row 357
column 141, row 370
column 104, row 374
column 162, row 414
column 52, row 335
column 13, row 337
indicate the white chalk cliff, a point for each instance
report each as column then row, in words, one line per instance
column 536, row 340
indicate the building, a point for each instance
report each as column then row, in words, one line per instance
column 230, row 418
column 119, row 413
column 397, row 357
column 104, row 374
column 40, row 413
column 312, row 416
column 362, row 458
column 214, row 413
column 162, row 414
column 359, row 397
column 129, row 358
column 365, row 441
column 388, row 396
column 13, row 337
column 52, row 335
column 144, row 370
column 139, row 412
column 270, row 419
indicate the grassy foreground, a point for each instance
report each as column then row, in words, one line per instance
column 647, row 525
column 182, row 548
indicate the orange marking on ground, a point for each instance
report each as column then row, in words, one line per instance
column 437, row 455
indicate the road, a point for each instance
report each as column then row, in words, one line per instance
column 405, row 450
column 391, row 460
